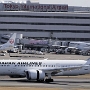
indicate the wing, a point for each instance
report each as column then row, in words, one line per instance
column 60, row 69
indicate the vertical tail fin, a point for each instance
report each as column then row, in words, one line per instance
column 11, row 41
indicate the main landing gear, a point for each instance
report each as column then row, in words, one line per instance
column 49, row 79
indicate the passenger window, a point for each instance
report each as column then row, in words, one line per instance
column 43, row 65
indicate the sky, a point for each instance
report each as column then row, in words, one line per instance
column 84, row 3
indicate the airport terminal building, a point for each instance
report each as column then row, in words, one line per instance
column 49, row 21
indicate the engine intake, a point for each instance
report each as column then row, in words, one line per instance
column 35, row 75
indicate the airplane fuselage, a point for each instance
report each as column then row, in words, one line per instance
column 18, row 67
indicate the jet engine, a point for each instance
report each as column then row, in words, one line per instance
column 38, row 75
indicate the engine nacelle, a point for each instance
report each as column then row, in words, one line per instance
column 35, row 75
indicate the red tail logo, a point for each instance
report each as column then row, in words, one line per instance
column 11, row 41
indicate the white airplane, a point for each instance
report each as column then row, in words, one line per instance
column 9, row 44
column 41, row 70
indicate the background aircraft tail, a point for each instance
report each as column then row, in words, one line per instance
column 11, row 41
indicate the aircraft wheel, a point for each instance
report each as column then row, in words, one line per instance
column 48, row 80
column 40, row 80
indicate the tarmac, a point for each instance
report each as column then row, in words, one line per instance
column 48, row 56
column 66, row 83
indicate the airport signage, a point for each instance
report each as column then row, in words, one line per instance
column 34, row 7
